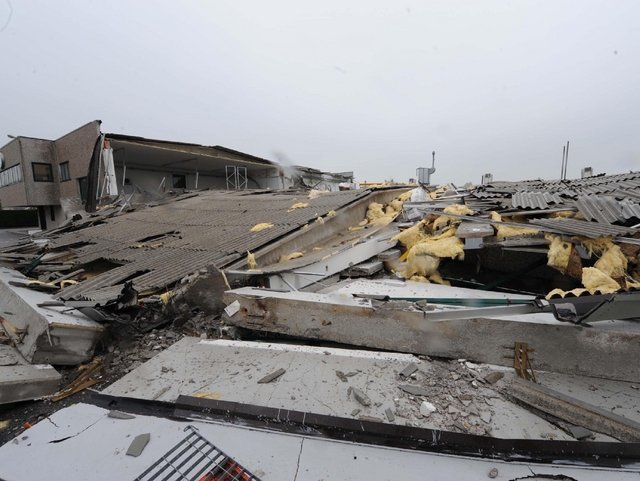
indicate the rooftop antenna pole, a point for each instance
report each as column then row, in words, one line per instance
column 564, row 149
column 566, row 161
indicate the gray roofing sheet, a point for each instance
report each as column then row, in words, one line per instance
column 535, row 200
column 599, row 208
column 607, row 209
column 584, row 228
column 159, row 245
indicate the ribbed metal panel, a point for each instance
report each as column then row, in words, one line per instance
column 592, row 230
column 535, row 200
column 161, row 244
column 599, row 208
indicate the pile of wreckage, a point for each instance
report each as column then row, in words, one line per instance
column 489, row 329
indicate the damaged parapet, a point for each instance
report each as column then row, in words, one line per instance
column 45, row 335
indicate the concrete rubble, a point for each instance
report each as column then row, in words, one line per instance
column 474, row 327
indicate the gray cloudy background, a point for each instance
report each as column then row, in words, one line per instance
column 370, row 86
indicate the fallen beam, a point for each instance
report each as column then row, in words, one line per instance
column 559, row 347
column 575, row 411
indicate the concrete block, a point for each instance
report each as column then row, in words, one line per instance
column 53, row 336
column 138, row 444
column 21, row 381
column 206, row 291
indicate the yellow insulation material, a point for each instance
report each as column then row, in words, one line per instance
column 383, row 220
column 416, row 234
column 635, row 285
column 316, row 193
column 262, row 226
column 396, row 204
column 288, row 257
column 613, row 262
column 251, row 261
column 352, row 229
column 299, row 205
column 435, row 277
column 505, row 231
column 374, row 211
column 405, row 197
column 444, row 247
column 577, row 292
column 458, row 209
column 320, row 220
column 419, row 279
column 594, row 279
column 595, row 246
column 331, row 213
column 420, row 264
column 559, row 252
column 563, row 214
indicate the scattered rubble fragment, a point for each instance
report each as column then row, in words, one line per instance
column 138, row 444
column 272, row 377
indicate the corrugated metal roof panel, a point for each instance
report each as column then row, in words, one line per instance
column 602, row 209
column 535, row 200
column 592, row 230
column 630, row 210
column 159, row 245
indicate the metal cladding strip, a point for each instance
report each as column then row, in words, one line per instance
column 592, row 230
column 404, row 437
column 602, row 209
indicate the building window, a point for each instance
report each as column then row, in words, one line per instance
column 65, row 173
column 12, row 175
column 82, row 188
column 42, row 172
column 179, row 181
column 52, row 213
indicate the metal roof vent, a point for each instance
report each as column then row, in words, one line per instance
column 586, row 172
column 487, row 179
column 424, row 173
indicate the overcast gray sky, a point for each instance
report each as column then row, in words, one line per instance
column 370, row 86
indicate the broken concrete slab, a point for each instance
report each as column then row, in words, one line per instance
column 22, row 381
column 494, row 377
column 52, row 335
column 228, row 371
column 206, row 291
column 575, row 411
column 340, row 317
column 409, row 370
column 269, row 454
column 364, row 270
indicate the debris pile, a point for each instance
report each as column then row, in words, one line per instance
column 467, row 298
